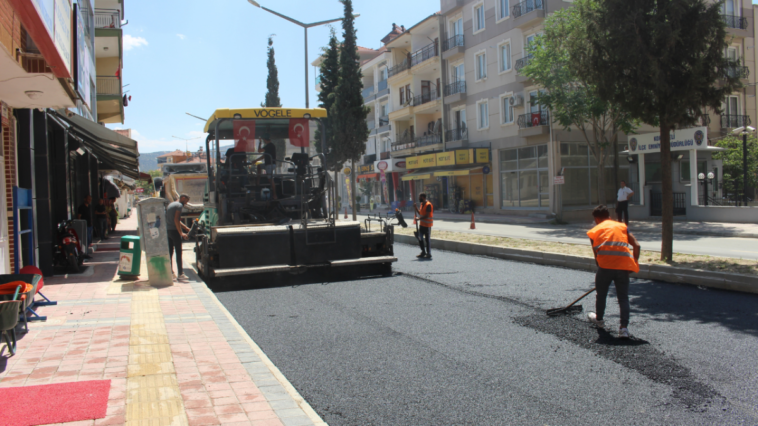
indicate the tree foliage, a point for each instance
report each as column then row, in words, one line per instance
column 732, row 164
column 329, row 71
column 559, row 62
column 272, row 82
column 660, row 60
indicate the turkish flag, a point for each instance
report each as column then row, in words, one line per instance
column 299, row 132
column 535, row 119
column 244, row 135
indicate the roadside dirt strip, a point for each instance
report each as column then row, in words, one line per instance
column 721, row 280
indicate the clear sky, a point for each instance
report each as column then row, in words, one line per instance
column 197, row 56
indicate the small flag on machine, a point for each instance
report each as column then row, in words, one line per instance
column 299, row 132
column 244, row 136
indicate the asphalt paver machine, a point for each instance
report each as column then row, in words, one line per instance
column 278, row 215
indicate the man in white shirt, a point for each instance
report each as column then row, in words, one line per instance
column 622, row 202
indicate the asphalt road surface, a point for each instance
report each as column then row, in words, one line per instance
column 464, row 340
column 745, row 248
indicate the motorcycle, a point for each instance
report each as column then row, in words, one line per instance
column 68, row 251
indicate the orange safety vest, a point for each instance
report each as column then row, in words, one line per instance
column 611, row 243
column 427, row 210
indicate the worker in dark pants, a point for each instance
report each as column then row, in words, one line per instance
column 617, row 255
column 426, row 221
column 174, row 226
column 622, row 202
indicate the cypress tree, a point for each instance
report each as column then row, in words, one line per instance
column 272, row 82
column 329, row 70
column 348, row 114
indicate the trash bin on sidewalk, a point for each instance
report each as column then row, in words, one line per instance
column 130, row 257
column 152, row 229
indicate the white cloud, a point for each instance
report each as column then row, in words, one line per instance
column 131, row 42
column 181, row 36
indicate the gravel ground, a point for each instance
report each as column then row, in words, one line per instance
column 463, row 340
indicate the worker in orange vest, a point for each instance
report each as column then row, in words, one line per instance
column 426, row 221
column 617, row 255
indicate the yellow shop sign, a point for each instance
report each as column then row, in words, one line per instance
column 482, row 155
column 462, row 156
column 446, row 158
column 411, row 163
column 429, row 160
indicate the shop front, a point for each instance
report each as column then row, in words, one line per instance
column 368, row 185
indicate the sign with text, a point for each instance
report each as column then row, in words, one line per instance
column 429, row 160
column 462, row 156
column 482, row 155
column 680, row 140
column 446, row 158
column 367, row 168
column 559, row 180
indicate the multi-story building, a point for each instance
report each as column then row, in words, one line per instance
column 488, row 103
column 109, row 56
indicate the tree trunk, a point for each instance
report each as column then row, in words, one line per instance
column 667, row 196
column 353, row 191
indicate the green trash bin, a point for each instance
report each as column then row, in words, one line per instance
column 130, row 256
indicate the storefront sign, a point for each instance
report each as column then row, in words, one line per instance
column 412, row 162
column 681, row 140
column 400, row 164
column 349, row 192
column 63, row 30
column 446, row 158
column 486, row 170
column 382, row 165
column 559, row 180
column 429, row 160
column 346, row 171
column 482, row 155
column 367, row 168
column 83, row 64
column 462, row 156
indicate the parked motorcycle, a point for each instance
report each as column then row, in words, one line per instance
column 68, row 250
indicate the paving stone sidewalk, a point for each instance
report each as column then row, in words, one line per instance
column 174, row 355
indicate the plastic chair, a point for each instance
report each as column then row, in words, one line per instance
column 31, row 269
column 8, row 321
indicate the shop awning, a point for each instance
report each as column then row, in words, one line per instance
column 368, row 176
column 457, row 172
column 416, row 176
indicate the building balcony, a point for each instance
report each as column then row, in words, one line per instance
column 382, row 85
column 448, row 6
column 368, row 94
column 521, row 63
column 318, row 83
column 528, row 12
column 109, row 86
column 453, row 47
column 110, row 106
column 533, row 124
column 399, row 69
column 107, row 19
column 411, row 146
column 455, row 92
column 736, row 22
column 731, row 121
column 424, row 54
column 424, row 98
column 456, row 135
column 384, row 155
column 371, row 124
column 382, row 89
column 736, row 71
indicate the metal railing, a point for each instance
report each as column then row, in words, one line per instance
column 384, row 155
column 397, row 69
column 456, row 135
column 729, row 121
column 733, row 21
column 521, row 63
column 735, row 71
column 107, row 18
column 454, row 41
column 367, row 91
column 384, row 120
column 525, row 7
column 108, row 85
column 656, row 204
column 423, row 98
column 457, row 87
column 533, row 119
column 382, row 85
column 425, row 140
column 424, row 54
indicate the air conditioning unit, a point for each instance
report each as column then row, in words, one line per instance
column 515, row 101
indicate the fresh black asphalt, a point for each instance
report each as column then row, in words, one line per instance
column 464, row 340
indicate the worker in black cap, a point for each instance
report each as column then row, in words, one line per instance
column 269, row 160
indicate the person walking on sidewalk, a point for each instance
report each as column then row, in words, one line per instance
column 174, row 226
column 426, row 221
column 617, row 255
column 622, row 202
column 84, row 212
column 101, row 219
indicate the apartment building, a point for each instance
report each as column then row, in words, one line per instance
column 109, row 61
column 489, row 104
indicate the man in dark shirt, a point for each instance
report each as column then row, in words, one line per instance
column 269, row 161
column 84, row 213
column 101, row 219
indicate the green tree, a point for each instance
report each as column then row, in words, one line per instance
column 329, row 71
column 148, row 187
column 348, row 115
column 272, row 82
column 559, row 63
column 660, row 61
column 733, row 166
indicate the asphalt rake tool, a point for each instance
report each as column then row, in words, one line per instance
column 570, row 309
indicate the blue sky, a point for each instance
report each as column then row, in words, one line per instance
column 197, row 56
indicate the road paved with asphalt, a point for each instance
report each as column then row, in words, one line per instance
column 464, row 340
column 745, row 248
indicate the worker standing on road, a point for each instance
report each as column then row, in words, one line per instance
column 426, row 220
column 174, row 227
column 617, row 254
column 622, row 202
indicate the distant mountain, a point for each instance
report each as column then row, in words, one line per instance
column 149, row 161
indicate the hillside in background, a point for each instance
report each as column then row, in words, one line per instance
column 149, row 160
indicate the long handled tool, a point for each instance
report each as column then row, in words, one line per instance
column 570, row 309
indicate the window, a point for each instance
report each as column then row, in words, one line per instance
column 481, row 66
column 402, row 95
column 505, row 57
column 458, row 27
column 478, row 18
column 581, row 175
column 525, row 180
column 383, row 110
column 503, row 9
column 483, row 112
column 459, row 73
column 507, row 110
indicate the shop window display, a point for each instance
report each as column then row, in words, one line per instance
column 524, row 178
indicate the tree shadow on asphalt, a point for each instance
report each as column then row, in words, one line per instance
column 667, row 302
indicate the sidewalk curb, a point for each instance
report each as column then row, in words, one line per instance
column 720, row 280
column 293, row 393
column 685, row 232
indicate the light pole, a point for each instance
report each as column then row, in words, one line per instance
column 702, row 177
column 305, row 29
column 744, row 132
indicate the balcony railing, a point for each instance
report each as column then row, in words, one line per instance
column 424, row 54
column 423, row 98
column 397, row 69
column 456, row 135
column 733, row 21
column 107, row 18
column 371, row 125
column 384, row 120
column 521, row 63
column 382, row 85
column 736, row 71
column 369, row 159
column 533, row 119
column 525, row 7
column 730, row 121
column 108, row 85
column 384, row 155
column 428, row 140
column 457, row 87
column 368, row 92
column 454, row 41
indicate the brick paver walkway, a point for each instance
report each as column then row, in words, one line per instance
column 174, row 355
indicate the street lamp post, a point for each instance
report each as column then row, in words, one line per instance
column 305, row 30
column 744, row 132
column 702, row 177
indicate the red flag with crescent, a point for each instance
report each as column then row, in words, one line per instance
column 244, row 136
column 299, row 132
